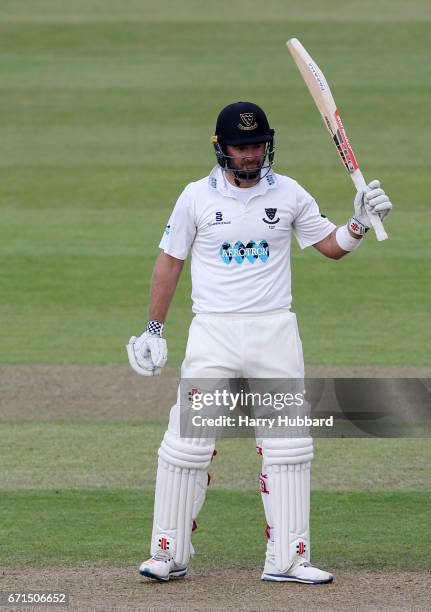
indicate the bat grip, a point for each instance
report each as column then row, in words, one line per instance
column 375, row 221
column 377, row 225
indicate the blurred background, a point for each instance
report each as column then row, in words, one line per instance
column 107, row 111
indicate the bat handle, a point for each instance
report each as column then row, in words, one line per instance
column 376, row 222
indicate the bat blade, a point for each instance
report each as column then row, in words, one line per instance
column 324, row 100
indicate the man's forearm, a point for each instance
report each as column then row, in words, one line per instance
column 164, row 282
column 330, row 247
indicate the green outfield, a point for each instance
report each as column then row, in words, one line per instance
column 107, row 118
column 93, row 511
column 107, row 111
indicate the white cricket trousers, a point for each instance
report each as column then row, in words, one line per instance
column 241, row 345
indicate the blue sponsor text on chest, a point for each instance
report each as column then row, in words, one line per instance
column 240, row 252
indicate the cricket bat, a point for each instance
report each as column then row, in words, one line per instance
column 323, row 98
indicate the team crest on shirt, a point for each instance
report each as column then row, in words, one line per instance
column 270, row 213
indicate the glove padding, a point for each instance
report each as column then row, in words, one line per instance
column 374, row 200
column 147, row 354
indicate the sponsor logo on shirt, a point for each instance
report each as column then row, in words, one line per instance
column 219, row 220
column 167, row 230
column 270, row 213
column 240, row 252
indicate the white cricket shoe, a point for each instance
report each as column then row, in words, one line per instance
column 162, row 566
column 301, row 571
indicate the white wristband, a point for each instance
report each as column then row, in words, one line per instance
column 344, row 239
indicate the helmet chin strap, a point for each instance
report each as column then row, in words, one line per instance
column 249, row 175
column 244, row 175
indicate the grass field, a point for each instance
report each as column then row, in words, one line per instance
column 107, row 112
column 92, row 511
column 106, row 120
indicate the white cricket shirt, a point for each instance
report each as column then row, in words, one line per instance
column 241, row 250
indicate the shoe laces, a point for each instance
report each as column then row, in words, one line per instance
column 306, row 564
column 161, row 555
column 303, row 563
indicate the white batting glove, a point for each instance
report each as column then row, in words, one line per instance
column 375, row 201
column 148, row 353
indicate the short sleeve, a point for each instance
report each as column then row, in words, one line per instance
column 180, row 231
column 309, row 225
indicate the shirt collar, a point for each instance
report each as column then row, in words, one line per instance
column 217, row 181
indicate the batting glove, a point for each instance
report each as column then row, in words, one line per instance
column 372, row 201
column 148, row 353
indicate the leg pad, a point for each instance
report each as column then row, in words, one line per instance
column 285, row 488
column 182, row 480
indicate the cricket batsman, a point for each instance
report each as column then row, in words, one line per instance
column 238, row 224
